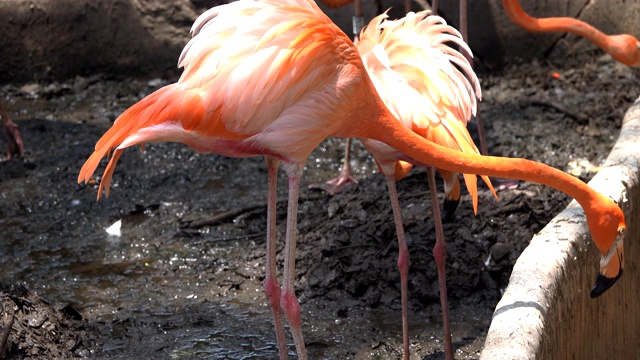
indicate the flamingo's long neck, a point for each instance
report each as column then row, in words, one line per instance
column 390, row 131
column 553, row 24
column 371, row 119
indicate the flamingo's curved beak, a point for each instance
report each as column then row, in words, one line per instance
column 611, row 267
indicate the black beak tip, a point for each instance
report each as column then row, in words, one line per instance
column 603, row 284
column 448, row 209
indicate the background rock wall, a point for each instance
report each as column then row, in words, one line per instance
column 58, row 39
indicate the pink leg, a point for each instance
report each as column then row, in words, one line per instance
column 13, row 135
column 289, row 303
column 484, row 150
column 345, row 178
column 271, row 286
column 14, row 139
column 440, row 254
column 505, row 184
column 403, row 262
column 463, row 28
column 464, row 31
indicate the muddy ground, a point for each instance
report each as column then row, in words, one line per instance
column 177, row 285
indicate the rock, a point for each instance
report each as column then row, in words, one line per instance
column 57, row 40
column 500, row 250
column 29, row 89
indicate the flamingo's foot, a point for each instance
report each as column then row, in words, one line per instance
column 15, row 140
column 273, row 291
column 336, row 185
column 505, row 184
column 291, row 309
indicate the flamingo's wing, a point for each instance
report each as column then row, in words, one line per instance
column 411, row 59
column 254, row 71
column 253, row 59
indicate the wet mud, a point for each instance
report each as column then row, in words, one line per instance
column 184, row 278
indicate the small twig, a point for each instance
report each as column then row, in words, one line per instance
column 232, row 214
column 417, row 194
column 29, row 334
column 241, row 237
column 223, row 217
column 351, row 247
column 6, row 330
column 583, row 120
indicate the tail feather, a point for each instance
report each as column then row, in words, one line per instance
column 105, row 183
column 454, row 135
column 168, row 104
column 462, row 134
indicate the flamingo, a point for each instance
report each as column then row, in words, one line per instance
column 624, row 47
column 274, row 78
column 432, row 89
column 13, row 134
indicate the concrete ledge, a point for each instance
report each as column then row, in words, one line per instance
column 546, row 311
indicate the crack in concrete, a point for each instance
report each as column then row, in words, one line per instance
column 587, row 4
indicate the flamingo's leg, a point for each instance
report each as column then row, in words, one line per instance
column 403, row 262
column 271, row 286
column 289, row 302
column 345, row 177
column 440, row 254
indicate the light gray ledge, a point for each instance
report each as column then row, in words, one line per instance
column 546, row 311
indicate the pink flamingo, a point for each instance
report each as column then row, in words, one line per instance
column 432, row 89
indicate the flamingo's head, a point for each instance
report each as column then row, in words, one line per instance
column 625, row 49
column 608, row 234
